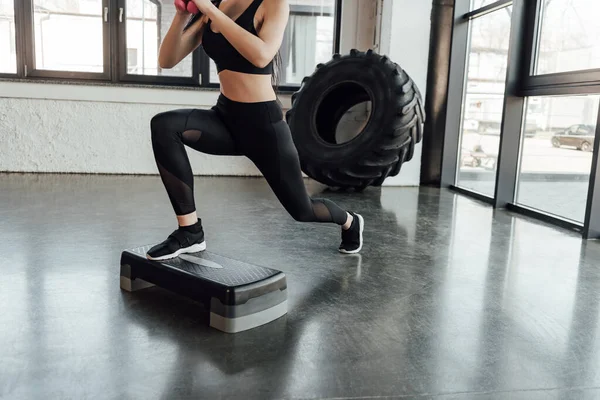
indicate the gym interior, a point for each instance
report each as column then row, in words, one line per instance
column 463, row 131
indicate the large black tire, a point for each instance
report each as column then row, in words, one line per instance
column 387, row 141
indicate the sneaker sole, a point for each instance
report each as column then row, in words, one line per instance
column 195, row 248
column 362, row 227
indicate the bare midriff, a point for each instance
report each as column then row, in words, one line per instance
column 246, row 88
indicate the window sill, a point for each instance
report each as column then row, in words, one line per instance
column 102, row 91
column 83, row 82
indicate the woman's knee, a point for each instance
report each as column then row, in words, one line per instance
column 159, row 125
column 166, row 125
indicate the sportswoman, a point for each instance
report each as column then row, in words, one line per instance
column 243, row 38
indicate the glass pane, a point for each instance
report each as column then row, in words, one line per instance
column 477, row 4
column 569, row 37
column 8, row 51
column 214, row 77
column 308, row 40
column 556, row 160
column 69, row 35
column 484, row 100
column 145, row 32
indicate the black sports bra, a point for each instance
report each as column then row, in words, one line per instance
column 225, row 56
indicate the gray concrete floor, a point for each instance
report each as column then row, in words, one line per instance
column 449, row 299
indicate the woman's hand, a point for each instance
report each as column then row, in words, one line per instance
column 181, row 6
column 179, row 42
column 205, row 6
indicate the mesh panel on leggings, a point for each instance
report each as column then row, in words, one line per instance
column 321, row 211
column 180, row 194
column 191, row 136
column 327, row 211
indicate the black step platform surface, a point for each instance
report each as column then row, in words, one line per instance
column 239, row 295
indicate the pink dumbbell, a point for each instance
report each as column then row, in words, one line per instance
column 181, row 5
column 192, row 8
column 186, row 6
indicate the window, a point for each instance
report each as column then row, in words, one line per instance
column 142, row 34
column 484, row 100
column 586, row 130
column 521, row 128
column 8, row 53
column 68, row 35
column 556, row 162
column 308, row 40
column 119, row 41
column 147, row 24
column 569, row 38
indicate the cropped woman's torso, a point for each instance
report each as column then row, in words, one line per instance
column 240, row 79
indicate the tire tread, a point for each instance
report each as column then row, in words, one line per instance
column 397, row 142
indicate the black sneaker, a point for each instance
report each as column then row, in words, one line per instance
column 352, row 239
column 179, row 242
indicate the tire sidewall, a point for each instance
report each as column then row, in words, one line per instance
column 374, row 78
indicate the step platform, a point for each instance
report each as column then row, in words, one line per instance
column 239, row 296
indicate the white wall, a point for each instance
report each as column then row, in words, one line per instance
column 399, row 29
column 98, row 129
column 405, row 30
column 358, row 25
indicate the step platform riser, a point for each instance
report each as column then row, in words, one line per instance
column 246, row 322
column 239, row 296
column 134, row 285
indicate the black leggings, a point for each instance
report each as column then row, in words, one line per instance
column 255, row 130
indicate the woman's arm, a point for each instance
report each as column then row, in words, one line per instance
column 177, row 44
column 260, row 50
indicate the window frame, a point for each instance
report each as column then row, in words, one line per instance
column 115, row 53
column 28, row 35
column 124, row 76
column 18, row 46
column 585, row 81
column 490, row 8
column 521, row 86
column 457, row 88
